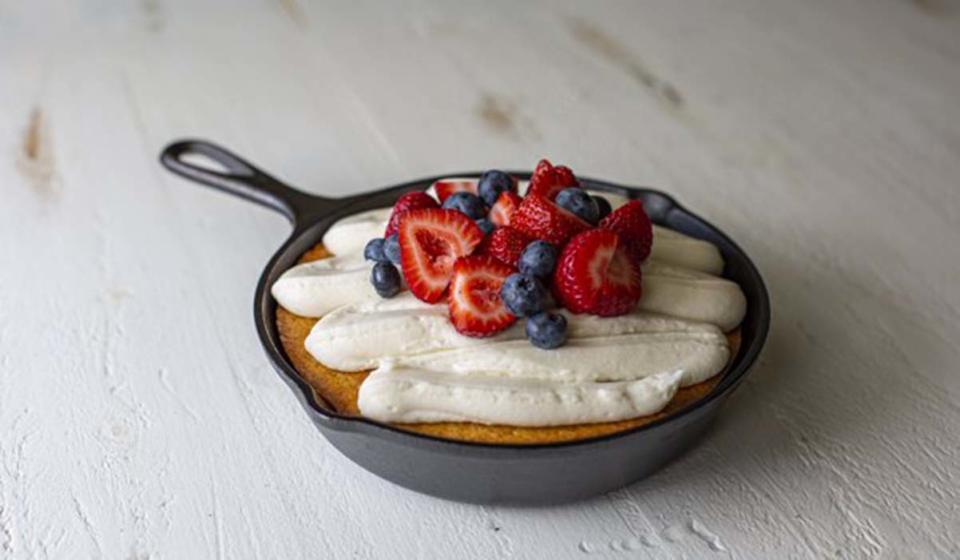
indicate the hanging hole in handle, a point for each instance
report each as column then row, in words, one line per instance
column 206, row 163
column 200, row 156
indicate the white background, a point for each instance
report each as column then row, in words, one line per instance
column 139, row 418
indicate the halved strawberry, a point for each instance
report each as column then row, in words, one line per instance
column 446, row 187
column 431, row 239
column 548, row 180
column 631, row 222
column 541, row 219
column 474, row 301
column 407, row 202
column 596, row 274
column 505, row 244
column 506, row 204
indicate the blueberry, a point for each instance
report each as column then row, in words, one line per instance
column 538, row 259
column 577, row 201
column 385, row 279
column 547, row 330
column 522, row 294
column 486, row 226
column 468, row 203
column 374, row 250
column 391, row 249
column 603, row 207
column 492, row 183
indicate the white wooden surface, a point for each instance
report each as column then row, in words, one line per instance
column 140, row 420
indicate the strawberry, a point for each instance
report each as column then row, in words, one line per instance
column 541, row 219
column 632, row 224
column 474, row 301
column 431, row 239
column 596, row 274
column 446, row 187
column 407, row 202
column 505, row 244
column 506, row 204
column 548, row 180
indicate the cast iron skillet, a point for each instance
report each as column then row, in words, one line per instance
column 473, row 472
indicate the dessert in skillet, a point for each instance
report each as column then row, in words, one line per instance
column 477, row 313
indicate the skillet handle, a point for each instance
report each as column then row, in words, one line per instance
column 241, row 178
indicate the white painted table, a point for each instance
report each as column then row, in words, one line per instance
column 140, row 419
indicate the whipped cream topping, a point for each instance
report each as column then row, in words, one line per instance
column 350, row 234
column 424, row 371
column 318, row 287
column 412, row 333
column 690, row 294
column 408, row 395
column 675, row 248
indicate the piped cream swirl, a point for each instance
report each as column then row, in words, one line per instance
column 424, row 371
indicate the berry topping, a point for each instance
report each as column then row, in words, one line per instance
column 541, row 219
column 577, row 201
column 632, row 224
column 547, row 330
column 374, row 250
column 468, row 203
column 603, row 206
column 407, row 202
column 430, row 241
column 493, row 183
column 502, row 210
column 446, row 187
column 523, row 295
column 547, row 180
column 486, row 226
column 597, row 274
column 538, row 259
column 385, row 279
column 474, row 301
column 391, row 249
column 506, row 244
